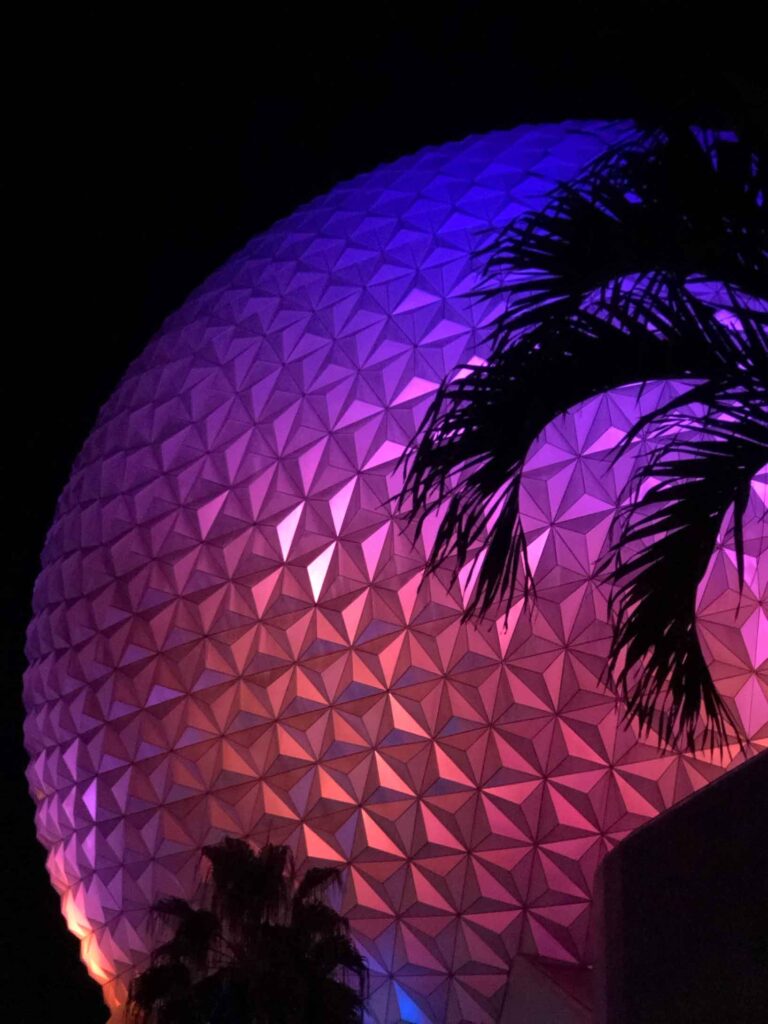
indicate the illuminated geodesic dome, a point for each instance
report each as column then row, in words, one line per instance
column 233, row 633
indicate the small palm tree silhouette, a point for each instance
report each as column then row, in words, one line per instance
column 267, row 949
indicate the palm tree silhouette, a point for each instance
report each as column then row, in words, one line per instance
column 266, row 950
column 652, row 265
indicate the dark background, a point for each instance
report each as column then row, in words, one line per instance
column 147, row 153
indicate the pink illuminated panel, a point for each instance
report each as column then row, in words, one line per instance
column 233, row 634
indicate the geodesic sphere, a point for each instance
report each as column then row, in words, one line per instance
column 233, row 633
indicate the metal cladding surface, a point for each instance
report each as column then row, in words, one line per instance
column 233, row 633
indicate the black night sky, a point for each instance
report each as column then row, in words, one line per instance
column 147, row 154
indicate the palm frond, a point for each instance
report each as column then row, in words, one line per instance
column 665, row 541
column 600, row 291
column 162, row 986
column 340, row 1002
column 170, row 909
column 195, row 933
column 476, row 434
column 248, row 887
column 315, row 882
column 674, row 206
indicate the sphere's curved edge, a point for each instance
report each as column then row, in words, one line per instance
column 620, row 125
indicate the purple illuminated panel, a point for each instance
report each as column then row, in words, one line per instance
column 232, row 633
